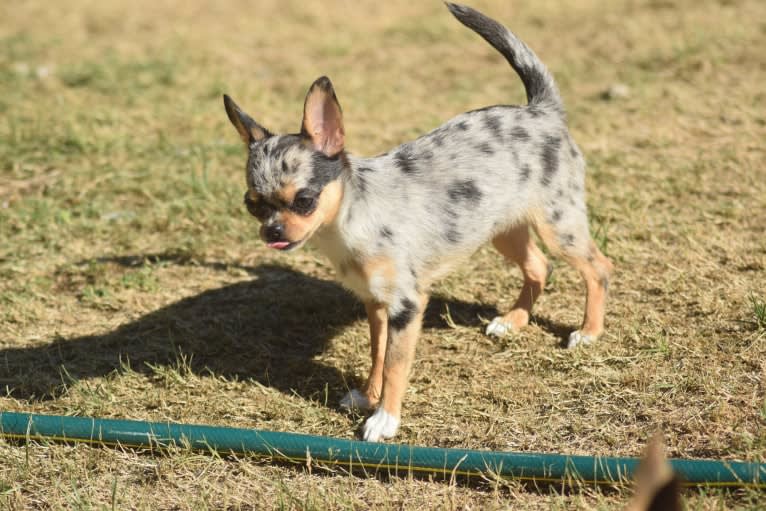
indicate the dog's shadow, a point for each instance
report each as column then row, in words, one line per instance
column 269, row 329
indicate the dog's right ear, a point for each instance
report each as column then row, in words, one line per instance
column 248, row 129
column 323, row 119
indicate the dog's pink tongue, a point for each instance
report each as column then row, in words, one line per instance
column 278, row 244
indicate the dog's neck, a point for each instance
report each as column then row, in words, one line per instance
column 330, row 239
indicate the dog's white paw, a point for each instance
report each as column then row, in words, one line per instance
column 355, row 400
column 498, row 328
column 380, row 425
column 577, row 338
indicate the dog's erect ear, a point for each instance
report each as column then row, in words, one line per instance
column 323, row 119
column 248, row 129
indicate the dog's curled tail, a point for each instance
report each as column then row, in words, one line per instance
column 541, row 89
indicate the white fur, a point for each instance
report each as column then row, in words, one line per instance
column 577, row 338
column 498, row 328
column 379, row 426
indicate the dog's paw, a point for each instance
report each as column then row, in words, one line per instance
column 498, row 328
column 355, row 400
column 379, row 426
column 577, row 338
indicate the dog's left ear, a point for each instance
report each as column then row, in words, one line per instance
column 323, row 119
column 249, row 130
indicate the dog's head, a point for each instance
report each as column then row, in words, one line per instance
column 293, row 185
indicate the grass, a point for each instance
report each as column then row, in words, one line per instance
column 132, row 283
column 759, row 312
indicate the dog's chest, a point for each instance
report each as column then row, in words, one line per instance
column 348, row 271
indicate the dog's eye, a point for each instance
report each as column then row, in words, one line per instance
column 260, row 209
column 304, row 204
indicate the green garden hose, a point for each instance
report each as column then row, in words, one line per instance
column 372, row 457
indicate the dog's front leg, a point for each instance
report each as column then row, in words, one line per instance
column 405, row 317
column 369, row 397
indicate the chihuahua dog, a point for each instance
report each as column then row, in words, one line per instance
column 394, row 223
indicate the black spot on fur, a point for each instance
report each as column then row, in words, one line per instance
column 385, row 232
column 406, row 160
column 567, row 240
column 493, row 125
column 360, row 178
column 453, row 156
column 550, row 158
column 556, row 215
column 534, row 111
column 325, row 169
column 520, row 134
column 438, row 136
column 486, row 148
column 573, row 152
column 361, row 183
column 452, row 234
column 285, row 168
column 464, row 191
column 526, row 170
column 462, row 125
column 401, row 319
column 426, row 155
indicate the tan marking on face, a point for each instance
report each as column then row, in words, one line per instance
column 329, row 201
column 287, row 193
column 300, row 227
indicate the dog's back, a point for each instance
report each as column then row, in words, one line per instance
column 481, row 172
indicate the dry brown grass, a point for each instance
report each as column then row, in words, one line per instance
column 132, row 283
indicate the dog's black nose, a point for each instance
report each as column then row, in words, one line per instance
column 274, row 232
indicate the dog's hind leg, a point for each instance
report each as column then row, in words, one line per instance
column 595, row 270
column 518, row 246
column 567, row 233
